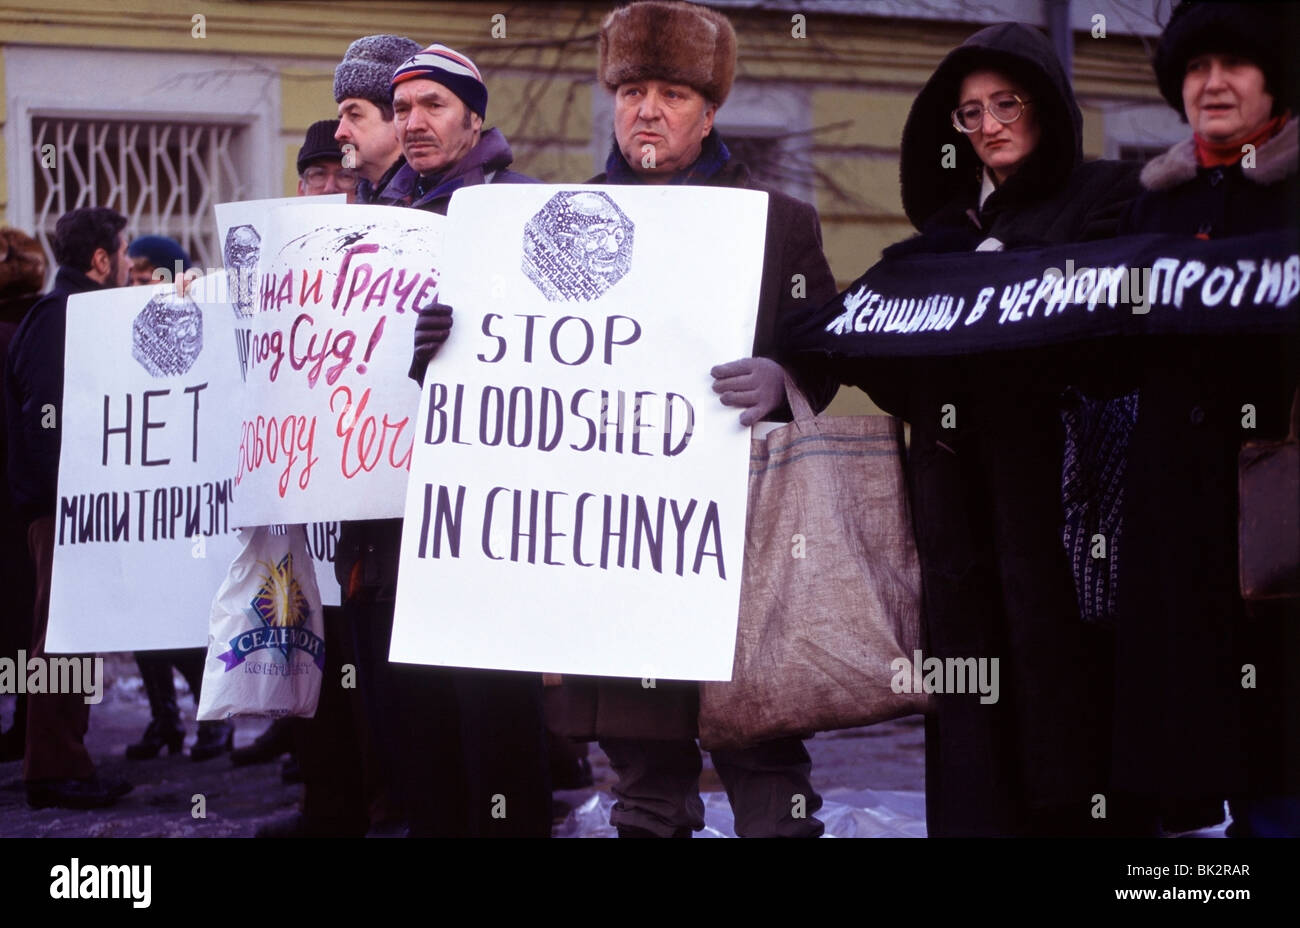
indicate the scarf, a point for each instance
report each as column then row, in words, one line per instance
column 1216, row 155
column 368, row 192
column 434, row 185
column 713, row 156
column 1095, row 459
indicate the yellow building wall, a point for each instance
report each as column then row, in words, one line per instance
column 861, row 74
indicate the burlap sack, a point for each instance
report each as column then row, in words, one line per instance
column 831, row 586
column 1268, row 516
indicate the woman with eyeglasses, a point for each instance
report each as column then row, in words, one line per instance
column 992, row 160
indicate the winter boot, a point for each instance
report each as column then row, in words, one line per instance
column 165, row 725
column 214, row 738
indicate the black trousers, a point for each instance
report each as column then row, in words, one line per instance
column 461, row 752
column 330, row 745
column 156, row 674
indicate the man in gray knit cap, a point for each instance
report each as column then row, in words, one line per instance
column 363, row 91
column 330, row 745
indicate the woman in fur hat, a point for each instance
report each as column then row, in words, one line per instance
column 1208, row 701
column 992, row 160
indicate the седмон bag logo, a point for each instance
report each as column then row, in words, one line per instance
column 283, row 610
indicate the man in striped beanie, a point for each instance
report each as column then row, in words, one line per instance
column 471, row 735
column 439, row 101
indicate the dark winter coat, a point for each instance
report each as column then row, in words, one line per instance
column 16, row 577
column 487, row 162
column 603, row 707
column 34, row 387
column 368, row 193
column 1186, row 727
column 367, row 553
column 1054, row 197
column 984, row 471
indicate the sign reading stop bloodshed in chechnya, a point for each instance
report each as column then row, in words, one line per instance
column 328, row 409
column 577, row 493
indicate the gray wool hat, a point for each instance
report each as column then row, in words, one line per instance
column 366, row 70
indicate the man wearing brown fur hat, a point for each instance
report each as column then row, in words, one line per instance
column 670, row 66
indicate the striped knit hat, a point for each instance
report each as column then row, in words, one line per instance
column 450, row 68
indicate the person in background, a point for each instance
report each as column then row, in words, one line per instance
column 320, row 163
column 22, row 276
column 347, row 784
column 90, row 247
column 158, row 259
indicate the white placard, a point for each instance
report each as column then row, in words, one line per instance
column 242, row 250
column 328, row 406
column 241, row 229
column 322, row 540
column 321, row 536
column 520, row 550
column 143, row 533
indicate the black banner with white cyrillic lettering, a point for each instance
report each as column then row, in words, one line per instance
column 951, row 304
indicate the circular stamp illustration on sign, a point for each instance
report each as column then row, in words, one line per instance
column 577, row 246
column 167, row 335
column 240, row 252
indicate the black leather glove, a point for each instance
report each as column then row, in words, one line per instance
column 431, row 330
column 432, row 327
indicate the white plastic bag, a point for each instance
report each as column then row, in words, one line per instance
column 265, row 647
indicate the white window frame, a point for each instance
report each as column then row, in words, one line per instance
column 1145, row 125
column 118, row 85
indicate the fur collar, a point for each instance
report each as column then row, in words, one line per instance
column 1275, row 160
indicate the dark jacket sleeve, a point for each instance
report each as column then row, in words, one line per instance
column 34, row 398
column 801, row 252
column 417, row 370
column 888, row 380
column 1111, row 195
column 885, row 380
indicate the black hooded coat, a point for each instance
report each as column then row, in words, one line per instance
column 984, row 473
column 1209, row 702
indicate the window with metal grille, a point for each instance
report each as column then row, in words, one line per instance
column 164, row 177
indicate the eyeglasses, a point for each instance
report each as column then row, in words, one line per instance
column 1006, row 108
column 316, row 177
